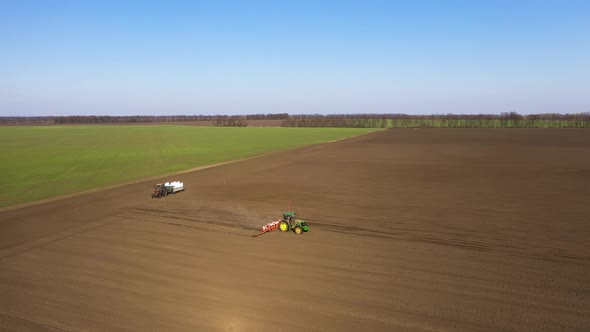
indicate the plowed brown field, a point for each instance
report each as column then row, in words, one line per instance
column 461, row 230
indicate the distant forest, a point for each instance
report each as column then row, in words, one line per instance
column 503, row 120
column 108, row 119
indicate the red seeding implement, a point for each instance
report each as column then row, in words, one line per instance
column 271, row 226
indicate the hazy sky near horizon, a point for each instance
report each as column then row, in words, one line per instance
column 242, row 57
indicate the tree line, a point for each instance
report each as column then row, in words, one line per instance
column 398, row 120
column 108, row 119
column 392, row 120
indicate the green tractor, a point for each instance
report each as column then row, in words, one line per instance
column 290, row 223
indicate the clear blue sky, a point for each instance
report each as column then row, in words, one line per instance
column 239, row 57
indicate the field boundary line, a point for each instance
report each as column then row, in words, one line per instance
column 194, row 169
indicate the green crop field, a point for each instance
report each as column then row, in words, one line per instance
column 47, row 161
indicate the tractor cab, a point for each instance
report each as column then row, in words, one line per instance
column 289, row 222
column 288, row 216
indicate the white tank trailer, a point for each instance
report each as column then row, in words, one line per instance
column 174, row 187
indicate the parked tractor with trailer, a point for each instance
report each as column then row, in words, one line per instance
column 163, row 189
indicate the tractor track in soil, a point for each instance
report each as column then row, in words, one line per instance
column 450, row 229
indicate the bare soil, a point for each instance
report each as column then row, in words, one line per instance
column 433, row 229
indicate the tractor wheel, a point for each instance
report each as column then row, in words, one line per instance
column 284, row 226
column 165, row 193
column 298, row 230
column 153, row 195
